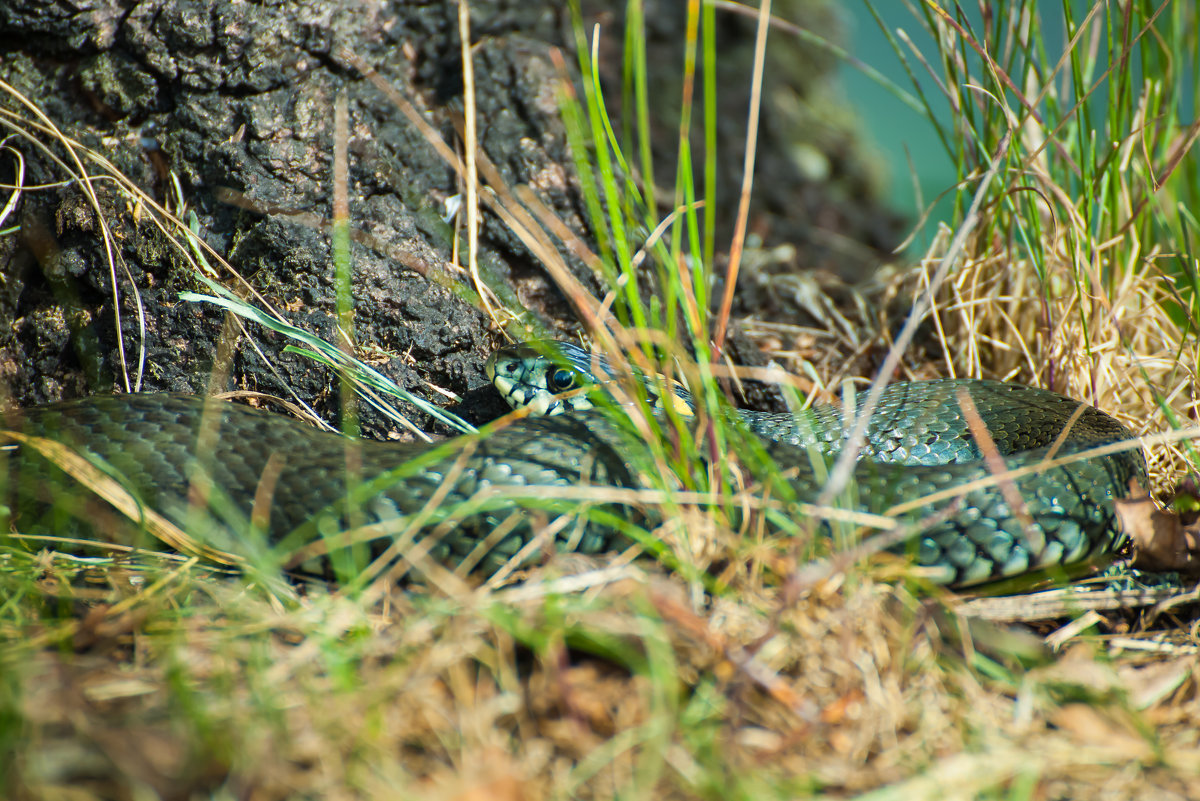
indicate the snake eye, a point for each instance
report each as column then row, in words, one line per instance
column 561, row 380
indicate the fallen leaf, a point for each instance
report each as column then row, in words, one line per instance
column 1160, row 539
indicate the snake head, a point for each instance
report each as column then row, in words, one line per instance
column 537, row 374
column 552, row 377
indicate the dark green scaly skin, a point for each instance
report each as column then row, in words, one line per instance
column 917, row 444
column 151, row 443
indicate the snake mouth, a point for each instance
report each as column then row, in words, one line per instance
column 505, row 377
column 513, row 374
column 550, row 378
column 513, row 392
column 518, row 394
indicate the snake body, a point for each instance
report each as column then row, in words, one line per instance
column 222, row 471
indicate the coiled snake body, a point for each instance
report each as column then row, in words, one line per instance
column 219, row 471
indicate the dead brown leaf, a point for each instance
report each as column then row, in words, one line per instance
column 1160, row 539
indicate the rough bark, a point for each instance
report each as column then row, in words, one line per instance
column 227, row 95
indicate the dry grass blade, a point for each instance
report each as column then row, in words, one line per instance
column 743, row 212
column 995, row 463
column 1061, row 603
column 471, row 147
column 86, row 182
column 504, row 204
column 103, row 486
column 844, row 467
column 756, row 674
column 16, row 187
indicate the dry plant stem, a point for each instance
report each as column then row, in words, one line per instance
column 297, row 406
column 574, row 583
column 71, row 629
column 1062, row 435
column 556, row 226
column 888, row 536
column 227, row 340
column 17, row 185
column 511, row 213
column 1062, row 602
column 471, row 147
column 1182, row 147
column 341, row 212
column 934, row 76
column 542, row 539
column 844, row 467
column 401, row 556
column 996, row 479
column 659, row 230
column 159, row 216
column 402, row 547
column 502, row 201
column 743, row 214
column 264, row 493
column 343, row 269
column 995, row 463
column 114, row 547
column 1029, row 107
column 745, row 659
column 105, row 487
column 89, row 190
column 485, row 545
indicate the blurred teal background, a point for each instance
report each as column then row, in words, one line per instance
column 908, row 147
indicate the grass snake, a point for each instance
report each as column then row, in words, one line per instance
column 222, row 471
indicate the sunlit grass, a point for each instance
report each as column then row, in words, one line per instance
column 735, row 666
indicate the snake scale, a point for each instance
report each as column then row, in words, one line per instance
column 220, row 470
